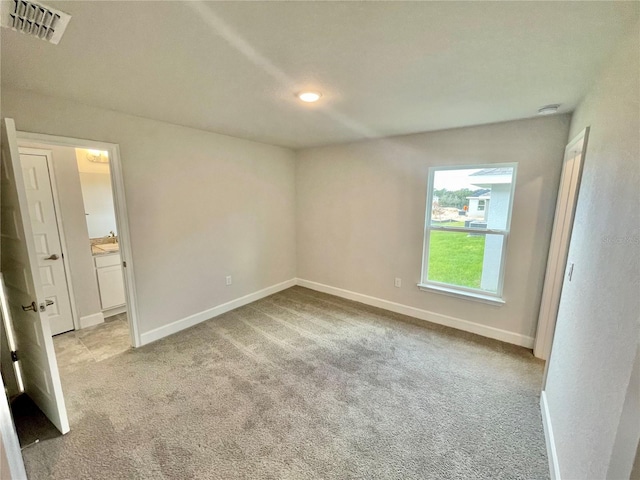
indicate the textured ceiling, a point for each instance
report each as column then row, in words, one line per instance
column 385, row 68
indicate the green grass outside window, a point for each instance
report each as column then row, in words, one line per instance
column 456, row 258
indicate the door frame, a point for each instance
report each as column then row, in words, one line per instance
column 56, row 205
column 122, row 218
column 10, row 444
column 559, row 249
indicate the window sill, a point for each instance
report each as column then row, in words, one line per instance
column 478, row 297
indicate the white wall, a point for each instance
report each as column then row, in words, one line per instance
column 598, row 327
column 11, row 462
column 361, row 210
column 201, row 205
column 5, row 471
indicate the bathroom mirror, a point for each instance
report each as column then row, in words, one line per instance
column 95, row 181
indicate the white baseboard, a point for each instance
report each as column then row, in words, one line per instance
column 110, row 312
column 465, row 325
column 460, row 324
column 552, row 454
column 190, row 321
column 91, row 320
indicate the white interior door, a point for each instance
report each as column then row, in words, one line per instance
column 46, row 236
column 25, row 295
column 559, row 248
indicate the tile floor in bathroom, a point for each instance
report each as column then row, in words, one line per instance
column 93, row 344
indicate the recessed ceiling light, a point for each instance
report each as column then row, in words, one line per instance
column 309, row 97
column 549, row 109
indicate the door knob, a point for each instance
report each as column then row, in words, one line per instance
column 33, row 307
column 52, row 257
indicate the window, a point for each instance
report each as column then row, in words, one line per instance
column 466, row 236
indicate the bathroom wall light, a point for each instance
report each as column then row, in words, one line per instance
column 97, row 156
column 309, row 97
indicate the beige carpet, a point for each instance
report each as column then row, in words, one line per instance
column 302, row 385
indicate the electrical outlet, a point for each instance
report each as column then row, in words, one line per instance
column 398, row 282
column 228, row 280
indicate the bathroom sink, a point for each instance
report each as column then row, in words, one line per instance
column 106, row 248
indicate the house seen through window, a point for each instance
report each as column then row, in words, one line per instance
column 467, row 227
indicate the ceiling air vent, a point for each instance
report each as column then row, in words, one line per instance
column 34, row 19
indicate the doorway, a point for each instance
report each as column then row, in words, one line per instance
column 87, row 196
column 43, row 297
column 73, row 220
column 559, row 247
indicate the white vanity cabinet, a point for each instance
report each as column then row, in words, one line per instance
column 110, row 281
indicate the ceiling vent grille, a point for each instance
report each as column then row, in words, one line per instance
column 34, row 19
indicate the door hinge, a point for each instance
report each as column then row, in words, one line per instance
column 14, row 356
column 124, row 264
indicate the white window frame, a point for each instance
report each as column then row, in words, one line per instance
column 483, row 204
column 455, row 290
